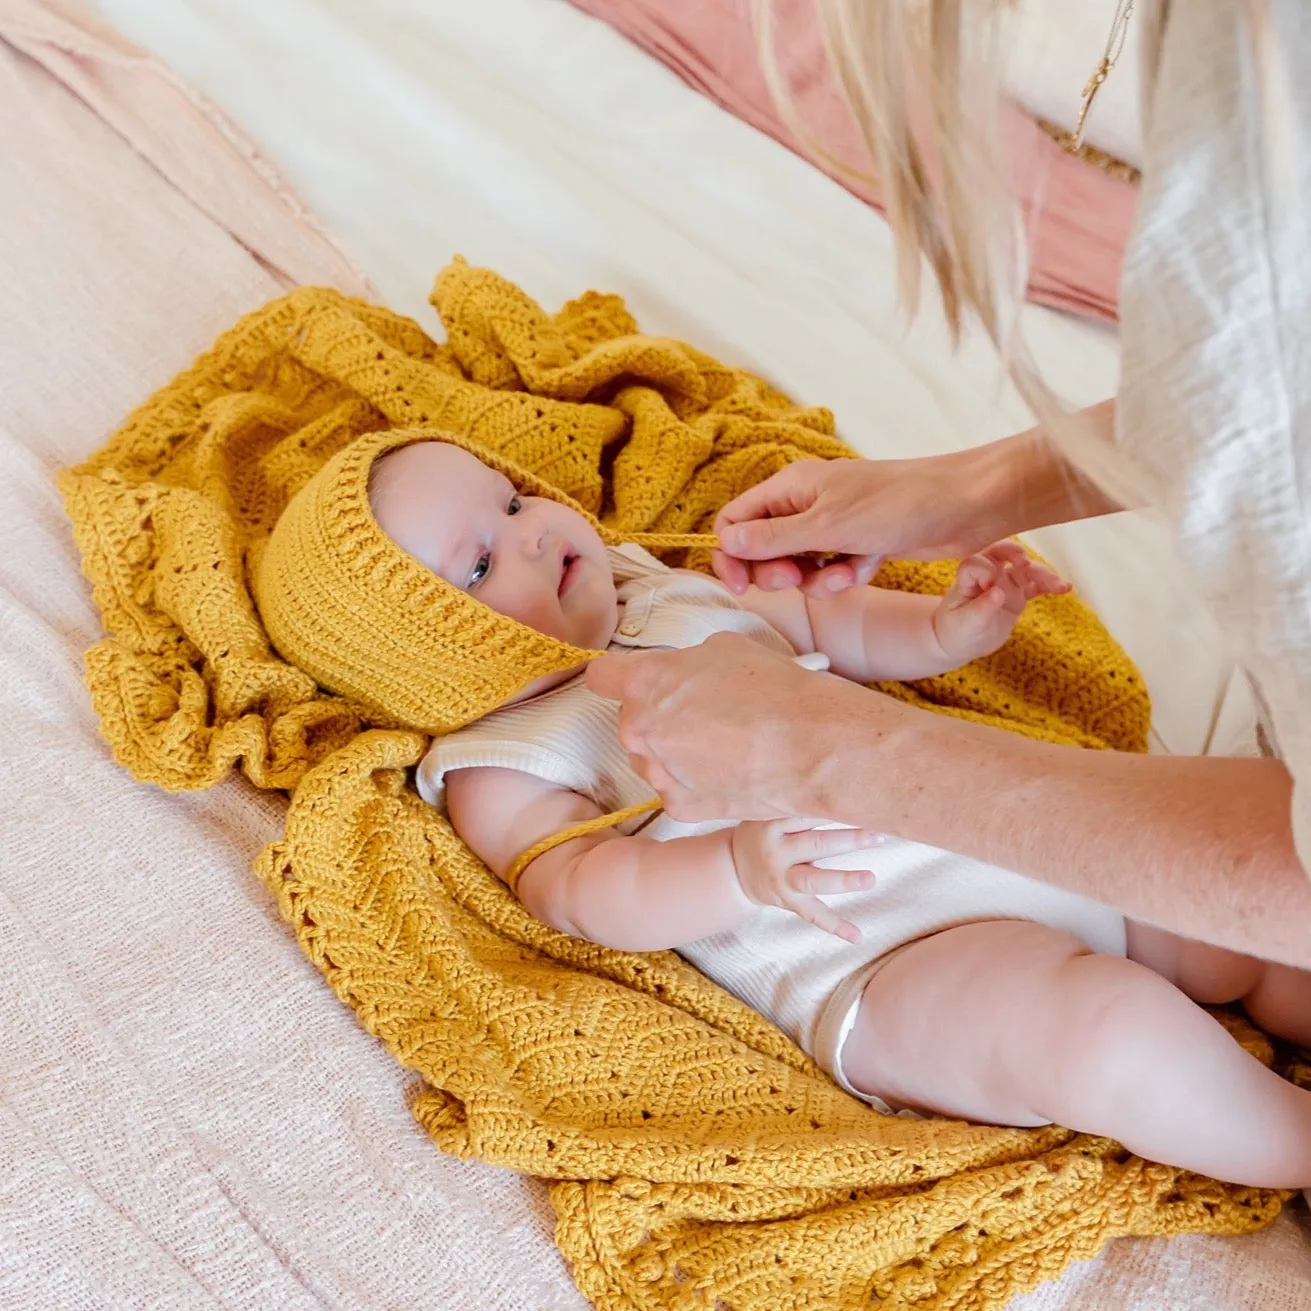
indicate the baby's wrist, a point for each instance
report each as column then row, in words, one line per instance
column 935, row 632
column 945, row 649
column 736, row 857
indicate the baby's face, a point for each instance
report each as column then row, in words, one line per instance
column 527, row 557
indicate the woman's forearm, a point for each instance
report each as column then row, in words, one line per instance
column 1025, row 483
column 1200, row 846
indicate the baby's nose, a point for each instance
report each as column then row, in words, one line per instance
column 534, row 536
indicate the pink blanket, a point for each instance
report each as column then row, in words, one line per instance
column 1078, row 216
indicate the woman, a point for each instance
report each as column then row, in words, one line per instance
column 1212, row 427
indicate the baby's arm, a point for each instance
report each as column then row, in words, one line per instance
column 634, row 893
column 630, row 893
column 871, row 632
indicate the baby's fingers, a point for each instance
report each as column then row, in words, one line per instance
column 973, row 576
column 813, row 911
column 813, row 879
column 1010, row 583
column 1041, row 581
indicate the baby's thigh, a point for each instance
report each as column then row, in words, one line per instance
column 951, row 1022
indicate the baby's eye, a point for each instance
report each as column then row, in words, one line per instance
column 480, row 570
column 515, row 505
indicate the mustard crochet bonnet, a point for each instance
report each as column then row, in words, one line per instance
column 340, row 600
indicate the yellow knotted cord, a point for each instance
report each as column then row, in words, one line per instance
column 526, row 858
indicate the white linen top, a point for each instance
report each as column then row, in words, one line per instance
column 1215, row 312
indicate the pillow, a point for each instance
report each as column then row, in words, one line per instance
column 1078, row 214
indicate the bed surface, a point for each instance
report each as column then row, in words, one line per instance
column 188, row 1117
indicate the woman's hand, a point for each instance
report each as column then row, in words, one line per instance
column 989, row 595
column 773, row 859
column 730, row 730
column 777, row 534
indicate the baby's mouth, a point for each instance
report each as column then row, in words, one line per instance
column 570, row 566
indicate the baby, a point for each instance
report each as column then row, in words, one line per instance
column 942, row 985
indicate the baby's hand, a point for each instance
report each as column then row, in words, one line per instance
column 988, row 596
column 773, row 861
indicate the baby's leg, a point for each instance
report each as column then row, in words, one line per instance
column 1277, row 997
column 1009, row 1022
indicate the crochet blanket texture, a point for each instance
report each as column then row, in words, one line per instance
column 695, row 1156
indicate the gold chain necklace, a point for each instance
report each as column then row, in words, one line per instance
column 1114, row 48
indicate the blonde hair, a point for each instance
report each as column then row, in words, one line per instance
column 923, row 83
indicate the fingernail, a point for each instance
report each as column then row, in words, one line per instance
column 835, row 583
column 731, row 538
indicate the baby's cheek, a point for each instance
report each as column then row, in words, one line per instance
column 539, row 613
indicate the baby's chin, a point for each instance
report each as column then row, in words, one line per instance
column 545, row 684
column 592, row 615
column 586, row 638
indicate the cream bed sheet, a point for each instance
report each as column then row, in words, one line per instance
column 187, row 1117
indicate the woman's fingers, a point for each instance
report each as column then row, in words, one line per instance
column 768, row 575
column 865, row 567
column 735, row 574
column 838, row 575
column 788, row 523
column 786, row 494
column 815, row 578
column 769, row 539
column 776, row 575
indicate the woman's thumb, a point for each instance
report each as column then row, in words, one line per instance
column 766, row 539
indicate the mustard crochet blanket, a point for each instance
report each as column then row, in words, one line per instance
column 697, row 1158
